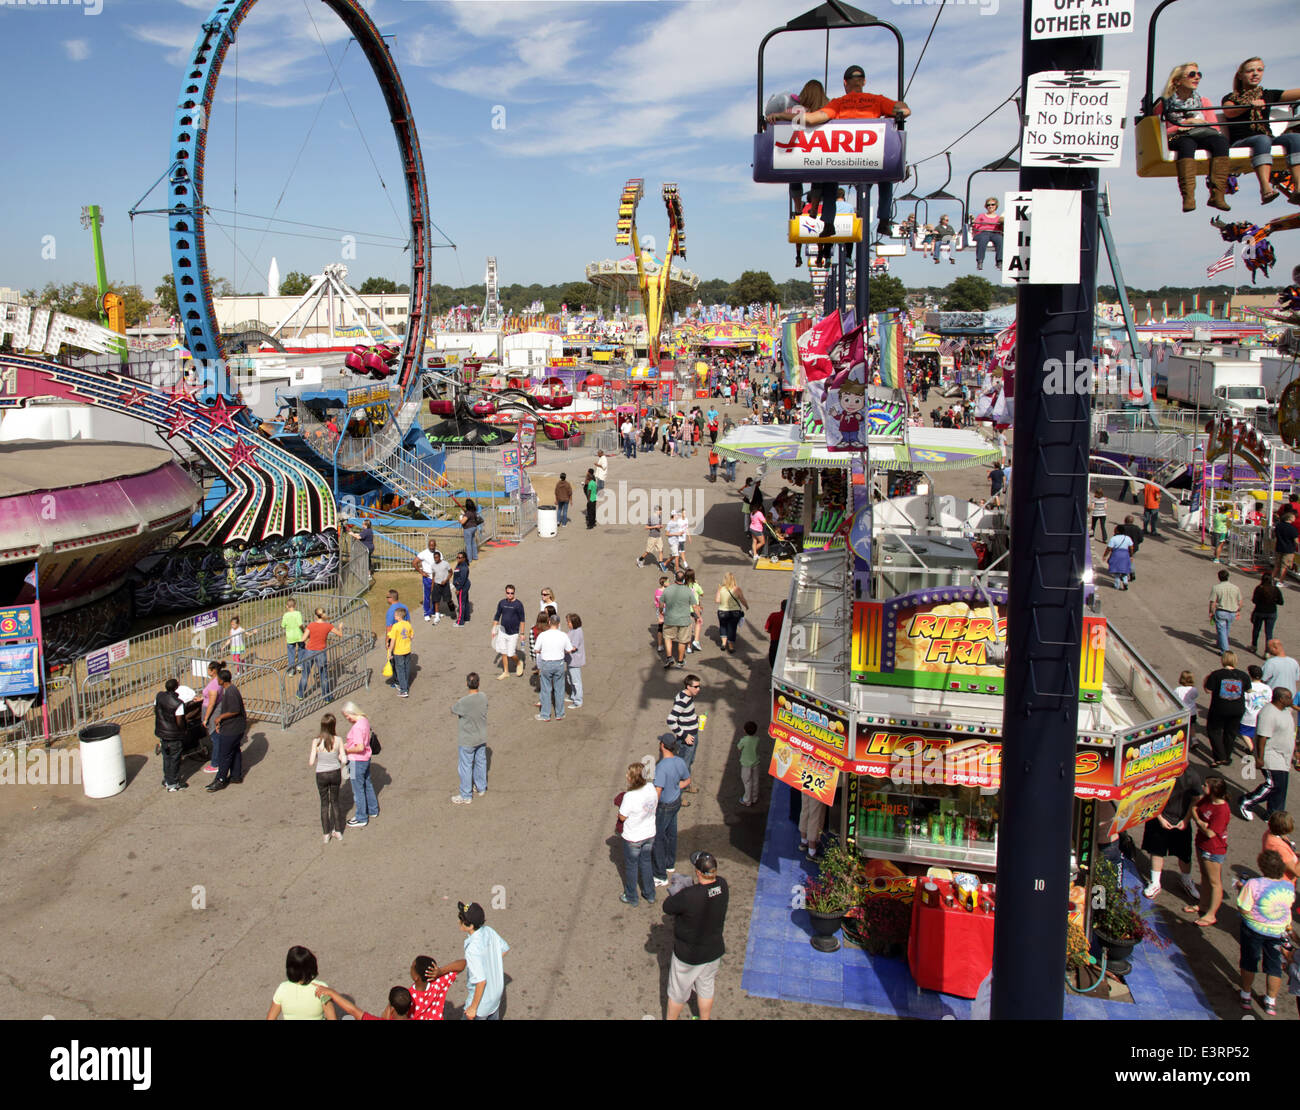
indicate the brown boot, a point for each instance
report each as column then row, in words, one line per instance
column 1219, row 182
column 1187, row 182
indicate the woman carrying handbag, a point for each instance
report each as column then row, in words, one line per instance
column 731, row 603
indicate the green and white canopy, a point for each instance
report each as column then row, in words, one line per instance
column 925, row 449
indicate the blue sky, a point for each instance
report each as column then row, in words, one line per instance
column 593, row 93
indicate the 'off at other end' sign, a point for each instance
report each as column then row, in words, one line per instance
column 1059, row 19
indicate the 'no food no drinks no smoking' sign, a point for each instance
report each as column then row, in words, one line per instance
column 1074, row 118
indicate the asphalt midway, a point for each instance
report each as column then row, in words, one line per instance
column 158, row 905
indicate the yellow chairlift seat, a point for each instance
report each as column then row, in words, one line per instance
column 848, row 229
column 1155, row 159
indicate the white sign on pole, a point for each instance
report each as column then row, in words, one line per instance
column 1075, row 118
column 1058, row 19
column 1043, row 225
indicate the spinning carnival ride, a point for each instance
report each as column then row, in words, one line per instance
column 652, row 281
column 274, row 506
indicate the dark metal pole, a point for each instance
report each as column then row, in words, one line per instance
column 841, row 279
column 1049, row 487
column 861, row 295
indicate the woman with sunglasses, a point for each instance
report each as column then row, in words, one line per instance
column 1191, row 125
column 1248, row 107
column 987, row 227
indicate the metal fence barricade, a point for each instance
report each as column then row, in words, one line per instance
column 28, row 728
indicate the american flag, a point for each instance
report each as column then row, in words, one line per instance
column 1224, row 263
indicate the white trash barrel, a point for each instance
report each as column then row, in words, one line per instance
column 103, row 765
column 548, row 518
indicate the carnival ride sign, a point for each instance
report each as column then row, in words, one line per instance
column 19, row 670
column 41, row 329
column 369, row 395
column 839, row 144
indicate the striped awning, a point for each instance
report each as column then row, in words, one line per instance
column 927, row 449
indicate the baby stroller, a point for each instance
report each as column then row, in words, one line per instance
column 778, row 547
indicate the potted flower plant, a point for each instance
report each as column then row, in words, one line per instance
column 1118, row 921
column 879, row 923
column 828, row 897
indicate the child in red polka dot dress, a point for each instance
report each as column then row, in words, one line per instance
column 429, row 986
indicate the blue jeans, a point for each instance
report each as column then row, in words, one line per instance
column 295, row 654
column 1261, row 148
column 629, row 446
column 562, row 507
column 637, row 865
column 664, row 853
column 471, row 543
column 552, row 675
column 686, row 751
column 729, row 469
column 363, row 790
column 1151, row 517
column 575, row 680
column 713, row 472
column 471, row 763
column 310, row 661
column 982, row 241
column 1223, row 619
column 402, row 672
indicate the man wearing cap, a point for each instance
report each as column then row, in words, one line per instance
column 855, row 104
column 485, row 974
column 670, row 776
column 699, row 913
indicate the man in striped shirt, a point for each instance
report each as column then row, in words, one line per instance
column 685, row 725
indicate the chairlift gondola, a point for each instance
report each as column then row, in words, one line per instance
column 866, row 151
column 1153, row 156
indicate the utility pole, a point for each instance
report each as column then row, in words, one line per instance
column 1049, row 487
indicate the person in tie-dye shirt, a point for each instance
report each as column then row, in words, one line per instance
column 1265, row 905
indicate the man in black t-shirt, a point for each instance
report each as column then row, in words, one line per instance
column 1227, row 688
column 1285, row 535
column 699, row 913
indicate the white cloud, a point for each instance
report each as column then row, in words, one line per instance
column 78, row 50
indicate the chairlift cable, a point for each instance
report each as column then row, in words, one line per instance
column 948, row 148
column 943, row 4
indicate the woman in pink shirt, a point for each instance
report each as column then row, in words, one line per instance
column 210, row 692
column 987, row 227
column 756, row 537
column 358, row 749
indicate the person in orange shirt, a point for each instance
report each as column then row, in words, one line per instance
column 857, row 104
column 1151, row 507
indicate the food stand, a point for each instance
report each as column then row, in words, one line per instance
column 888, row 685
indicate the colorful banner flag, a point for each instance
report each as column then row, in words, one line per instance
column 891, row 351
column 792, row 368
